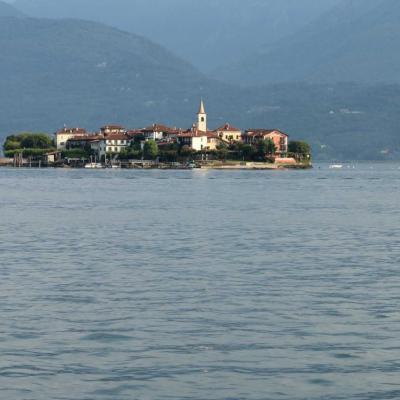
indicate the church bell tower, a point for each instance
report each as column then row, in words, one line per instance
column 202, row 118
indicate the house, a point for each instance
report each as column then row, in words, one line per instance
column 229, row 133
column 111, row 144
column 63, row 135
column 156, row 132
column 198, row 140
column 280, row 139
column 110, row 129
column 193, row 138
column 81, row 141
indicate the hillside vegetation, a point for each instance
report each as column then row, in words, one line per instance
column 356, row 41
column 86, row 74
column 209, row 33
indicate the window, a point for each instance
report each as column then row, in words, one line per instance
column 202, row 119
column 115, row 149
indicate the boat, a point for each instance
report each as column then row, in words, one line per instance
column 94, row 165
column 336, row 166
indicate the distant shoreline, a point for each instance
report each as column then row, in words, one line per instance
column 151, row 165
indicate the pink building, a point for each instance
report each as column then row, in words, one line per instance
column 280, row 139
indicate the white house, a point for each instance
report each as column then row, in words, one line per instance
column 110, row 144
column 65, row 134
column 193, row 138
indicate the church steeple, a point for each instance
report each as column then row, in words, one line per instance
column 202, row 118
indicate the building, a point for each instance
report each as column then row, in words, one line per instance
column 198, row 140
column 111, row 144
column 194, row 139
column 156, row 132
column 81, row 141
column 65, row 134
column 109, row 129
column 280, row 139
column 202, row 118
column 229, row 133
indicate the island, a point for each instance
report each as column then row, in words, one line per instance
column 159, row 146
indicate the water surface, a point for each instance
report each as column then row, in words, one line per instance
column 122, row 285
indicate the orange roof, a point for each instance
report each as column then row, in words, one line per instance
column 227, row 128
column 71, row 130
column 115, row 127
column 262, row 132
column 194, row 132
column 85, row 138
column 157, row 128
column 116, row 136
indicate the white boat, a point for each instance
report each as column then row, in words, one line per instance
column 336, row 166
column 94, row 165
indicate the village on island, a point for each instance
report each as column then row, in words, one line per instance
column 158, row 146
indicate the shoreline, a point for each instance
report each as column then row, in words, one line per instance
column 167, row 167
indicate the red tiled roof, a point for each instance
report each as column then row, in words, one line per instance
column 103, row 128
column 71, row 130
column 196, row 133
column 134, row 132
column 227, row 128
column 262, row 132
column 85, row 138
column 116, row 136
column 158, row 128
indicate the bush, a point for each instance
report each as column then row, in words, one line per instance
column 29, row 144
column 150, row 150
column 35, row 153
column 299, row 147
column 76, row 153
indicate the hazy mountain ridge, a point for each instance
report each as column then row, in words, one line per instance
column 355, row 42
column 210, row 34
column 57, row 72
column 7, row 10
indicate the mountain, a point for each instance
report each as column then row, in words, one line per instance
column 6, row 10
column 356, row 41
column 79, row 73
column 210, row 34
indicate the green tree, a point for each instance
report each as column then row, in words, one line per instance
column 150, row 150
column 169, row 152
column 222, row 151
column 247, row 152
column 300, row 147
column 36, row 141
column 270, row 147
column 76, row 153
column 186, row 151
column 28, row 140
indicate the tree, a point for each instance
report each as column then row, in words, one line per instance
column 30, row 144
column 299, row 147
column 186, row 151
column 169, row 152
column 132, row 152
column 246, row 152
column 270, row 147
column 36, row 141
column 150, row 150
column 222, row 151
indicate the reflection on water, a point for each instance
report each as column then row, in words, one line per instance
column 200, row 285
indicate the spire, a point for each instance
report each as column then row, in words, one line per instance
column 202, row 109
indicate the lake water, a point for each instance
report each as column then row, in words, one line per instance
column 123, row 285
